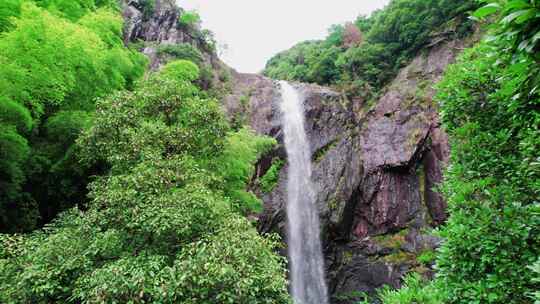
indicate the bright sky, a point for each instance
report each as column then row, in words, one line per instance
column 255, row 30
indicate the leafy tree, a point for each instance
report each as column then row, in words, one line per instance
column 493, row 184
column 53, row 69
column 161, row 226
column 181, row 70
column 74, row 9
column 352, row 36
column 190, row 19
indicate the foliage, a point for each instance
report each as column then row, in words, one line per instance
column 518, row 25
column 8, row 9
column 190, row 18
column 352, row 36
column 75, row 9
column 535, row 268
column 52, row 70
column 363, row 57
column 161, row 226
column 493, row 184
column 414, row 290
column 427, row 257
column 270, row 179
column 182, row 51
column 181, row 70
column 237, row 167
column 489, row 106
column 308, row 62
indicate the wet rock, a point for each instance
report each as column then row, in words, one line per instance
column 331, row 127
column 374, row 169
column 404, row 151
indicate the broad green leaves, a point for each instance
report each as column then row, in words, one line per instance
column 492, row 184
column 518, row 23
column 487, row 10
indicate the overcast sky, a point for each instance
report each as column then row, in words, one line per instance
column 255, row 30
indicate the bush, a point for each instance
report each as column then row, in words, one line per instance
column 182, row 51
column 493, row 183
column 236, row 165
column 414, row 290
column 181, row 70
column 190, row 19
column 270, row 179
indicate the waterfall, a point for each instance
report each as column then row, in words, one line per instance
column 305, row 252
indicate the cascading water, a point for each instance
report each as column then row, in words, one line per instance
column 305, row 252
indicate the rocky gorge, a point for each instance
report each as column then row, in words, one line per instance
column 375, row 163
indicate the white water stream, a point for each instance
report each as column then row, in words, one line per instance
column 308, row 284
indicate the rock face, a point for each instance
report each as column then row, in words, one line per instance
column 331, row 127
column 158, row 25
column 374, row 170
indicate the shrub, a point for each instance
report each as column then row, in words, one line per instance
column 182, row 51
column 492, row 184
column 414, row 290
column 180, row 70
column 190, row 18
column 270, row 179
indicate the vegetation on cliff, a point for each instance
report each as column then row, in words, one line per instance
column 139, row 183
column 361, row 58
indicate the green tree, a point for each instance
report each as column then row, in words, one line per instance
column 52, row 70
column 161, row 226
column 181, row 70
column 518, row 23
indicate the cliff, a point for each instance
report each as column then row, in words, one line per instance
column 375, row 165
column 375, row 169
column 154, row 27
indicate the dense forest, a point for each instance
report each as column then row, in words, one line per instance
column 120, row 183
